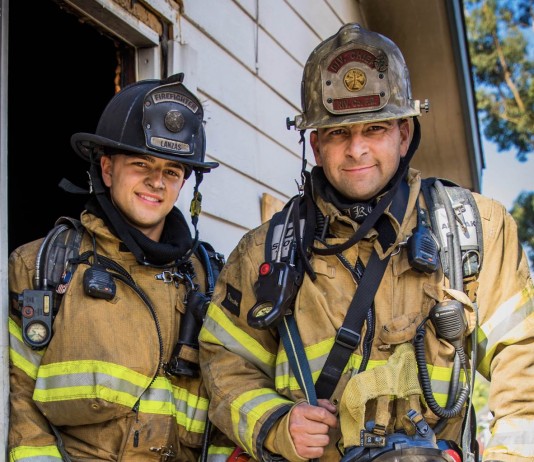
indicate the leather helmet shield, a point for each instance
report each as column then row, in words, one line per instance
column 355, row 78
column 172, row 119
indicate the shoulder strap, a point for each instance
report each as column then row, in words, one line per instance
column 54, row 265
column 349, row 334
column 56, row 258
column 212, row 262
column 276, row 245
column 454, row 212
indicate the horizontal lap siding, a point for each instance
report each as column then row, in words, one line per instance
column 246, row 102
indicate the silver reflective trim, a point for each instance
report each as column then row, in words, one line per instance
column 232, row 344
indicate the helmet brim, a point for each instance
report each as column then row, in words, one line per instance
column 330, row 120
column 84, row 144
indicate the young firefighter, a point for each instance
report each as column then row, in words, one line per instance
column 342, row 331
column 107, row 381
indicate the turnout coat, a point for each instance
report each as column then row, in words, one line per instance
column 100, row 382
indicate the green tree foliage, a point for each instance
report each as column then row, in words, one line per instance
column 523, row 212
column 503, row 71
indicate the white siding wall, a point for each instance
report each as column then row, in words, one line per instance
column 244, row 59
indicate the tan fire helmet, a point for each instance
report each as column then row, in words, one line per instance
column 355, row 76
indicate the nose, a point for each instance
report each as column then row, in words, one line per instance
column 357, row 145
column 155, row 178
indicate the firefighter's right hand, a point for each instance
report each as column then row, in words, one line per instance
column 309, row 426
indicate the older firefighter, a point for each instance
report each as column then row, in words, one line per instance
column 341, row 330
column 104, row 382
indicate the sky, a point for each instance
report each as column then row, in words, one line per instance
column 504, row 177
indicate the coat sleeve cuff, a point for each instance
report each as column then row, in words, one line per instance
column 279, row 441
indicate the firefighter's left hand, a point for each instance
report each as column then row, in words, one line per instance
column 309, row 426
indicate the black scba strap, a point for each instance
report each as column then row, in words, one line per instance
column 55, row 262
column 58, row 253
column 212, row 262
column 349, row 334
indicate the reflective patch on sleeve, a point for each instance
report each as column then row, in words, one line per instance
column 512, row 437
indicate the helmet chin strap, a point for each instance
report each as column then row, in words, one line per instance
column 381, row 206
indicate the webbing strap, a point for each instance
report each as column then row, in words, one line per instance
column 297, row 357
column 348, row 335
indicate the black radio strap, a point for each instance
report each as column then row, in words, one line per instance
column 349, row 334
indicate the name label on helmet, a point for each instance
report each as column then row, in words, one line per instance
column 169, row 96
column 171, row 145
column 358, row 102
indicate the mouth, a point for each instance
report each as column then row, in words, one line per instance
column 359, row 169
column 149, row 198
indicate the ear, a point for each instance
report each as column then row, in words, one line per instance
column 106, row 165
column 314, row 142
column 405, row 130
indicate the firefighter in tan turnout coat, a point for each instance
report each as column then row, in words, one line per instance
column 405, row 382
column 107, row 385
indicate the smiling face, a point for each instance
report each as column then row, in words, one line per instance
column 359, row 160
column 143, row 188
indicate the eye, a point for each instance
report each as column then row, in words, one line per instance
column 375, row 128
column 175, row 173
column 337, row 132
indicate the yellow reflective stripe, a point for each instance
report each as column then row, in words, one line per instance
column 219, row 453
column 21, row 355
column 37, row 454
column 62, row 370
column 507, row 326
column 191, row 410
column 316, row 355
column 248, row 408
column 85, row 379
column 220, row 330
column 513, row 436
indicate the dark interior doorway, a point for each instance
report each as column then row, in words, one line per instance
column 58, row 85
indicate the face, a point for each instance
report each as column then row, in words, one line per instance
column 360, row 159
column 144, row 188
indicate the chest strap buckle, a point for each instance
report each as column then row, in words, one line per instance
column 347, row 338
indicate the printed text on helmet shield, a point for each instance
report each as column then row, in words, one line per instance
column 355, row 78
column 171, row 121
